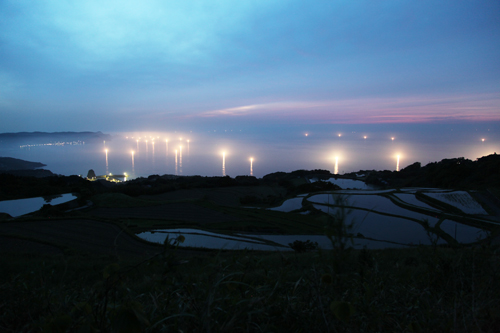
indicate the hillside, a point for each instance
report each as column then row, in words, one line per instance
column 455, row 173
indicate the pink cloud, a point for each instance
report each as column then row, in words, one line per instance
column 479, row 107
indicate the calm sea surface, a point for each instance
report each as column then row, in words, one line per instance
column 234, row 153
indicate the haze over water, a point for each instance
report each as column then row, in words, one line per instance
column 244, row 152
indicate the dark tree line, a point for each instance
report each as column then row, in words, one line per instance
column 448, row 173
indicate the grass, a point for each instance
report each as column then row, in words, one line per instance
column 425, row 288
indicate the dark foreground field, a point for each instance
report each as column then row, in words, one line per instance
column 85, row 270
column 420, row 289
column 87, row 275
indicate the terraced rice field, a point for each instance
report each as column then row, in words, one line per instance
column 370, row 202
column 412, row 200
column 461, row 200
column 289, row 205
column 382, row 227
column 377, row 220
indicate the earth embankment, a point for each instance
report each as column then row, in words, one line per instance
column 85, row 236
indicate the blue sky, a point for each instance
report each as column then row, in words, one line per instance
column 158, row 65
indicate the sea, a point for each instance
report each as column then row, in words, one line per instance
column 257, row 152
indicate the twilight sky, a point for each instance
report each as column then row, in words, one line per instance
column 157, row 65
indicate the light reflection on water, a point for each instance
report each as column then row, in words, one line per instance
column 153, row 151
column 133, row 166
column 180, row 160
column 351, row 152
column 176, row 164
column 107, row 169
column 223, row 164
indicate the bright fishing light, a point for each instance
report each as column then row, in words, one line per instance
column 392, row 138
column 307, row 134
column 364, row 137
column 340, row 135
column 483, row 140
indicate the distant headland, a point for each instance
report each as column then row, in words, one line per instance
column 37, row 138
column 23, row 168
column 10, row 163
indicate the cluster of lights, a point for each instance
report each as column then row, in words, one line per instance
column 71, row 143
column 251, row 159
column 152, row 139
column 364, row 136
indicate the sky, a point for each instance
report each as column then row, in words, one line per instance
column 161, row 65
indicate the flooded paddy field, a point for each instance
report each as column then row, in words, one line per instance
column 375, row 219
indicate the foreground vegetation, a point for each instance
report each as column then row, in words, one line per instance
column 419, row 289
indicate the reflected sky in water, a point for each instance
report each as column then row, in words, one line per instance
column 235, row 152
